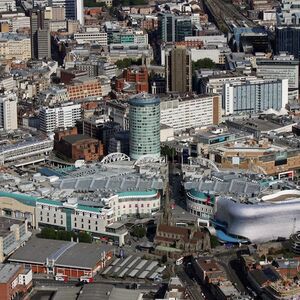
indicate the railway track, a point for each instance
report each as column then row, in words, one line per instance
column 225, row 14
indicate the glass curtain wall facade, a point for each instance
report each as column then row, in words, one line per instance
column 144, row 126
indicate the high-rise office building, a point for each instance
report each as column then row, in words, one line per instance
column 8, row 112
column 144, row 126
column 40, row 35
column 254, row 96
column 173, row 28
column 73, row 9
column 178, row 67
column 287, row 40
column 44, row 43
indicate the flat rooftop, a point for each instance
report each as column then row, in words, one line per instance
column 258, row 124
column 6, row 223
column 64, row 253
column 208, row 264
column 7, row 271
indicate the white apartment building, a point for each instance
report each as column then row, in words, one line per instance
column 190, row 112
column 279, row 68
column 214, row 84
column 254, row 96
column 19, row 22
column 64, row 116
column 217, row 55
column 7, row 82
column 15, row 46
column 91, row 37
column 219, row 39
column 8, row 111
column 7, row 5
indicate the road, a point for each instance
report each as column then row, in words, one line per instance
column 225, row 260
column 192, row 286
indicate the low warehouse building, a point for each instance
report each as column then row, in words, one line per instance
column 62, row 257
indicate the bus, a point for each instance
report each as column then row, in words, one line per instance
column 179, row 261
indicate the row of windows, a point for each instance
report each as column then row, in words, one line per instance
column 82, row 227
column 54, row 221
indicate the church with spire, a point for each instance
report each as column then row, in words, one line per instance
column 174, row 241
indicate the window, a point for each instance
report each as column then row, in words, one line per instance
column 81, row 225
column 89, row 226
column 48, row 220
column 61, row 222
column 96, row 228
column 75, row 224
column 54, row 221
column 42, row 219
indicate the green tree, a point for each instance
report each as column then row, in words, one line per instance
column 138, row 231
column 214, row 241
column 84, row 237
column 127, row 62
column 93, row 3
column 169, row 152
column 164, row 259
column 205, row 63
column 48, row 233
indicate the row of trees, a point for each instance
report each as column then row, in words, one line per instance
column 129, row 2
column 205, row 63
column 51, row 233
column 127, row 62
column 93, row 3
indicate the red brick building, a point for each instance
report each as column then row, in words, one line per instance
column 133, row 80
column 67, row 75
column 192, row 44
column 77, row 146
column 62, row 257
column 14, row 280
column 84, row 87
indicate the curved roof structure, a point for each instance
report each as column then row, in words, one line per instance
column 116, row 156
column 256, row 223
